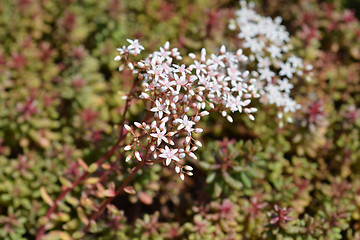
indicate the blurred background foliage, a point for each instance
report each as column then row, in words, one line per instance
column 60, row 100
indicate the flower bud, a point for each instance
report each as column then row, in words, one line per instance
column 204, row 113
column 192, row 56
column 198, row 130
column 188, row 168
column 192, row 155
column 137, row 155
column 197, row 142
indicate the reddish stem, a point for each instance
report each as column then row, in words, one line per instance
column 110, row 152
column 118, row 191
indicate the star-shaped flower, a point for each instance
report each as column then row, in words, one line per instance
column 135, row 47
column 160, row 109
column 160, row 135
column 169, row 155
column 185, row 123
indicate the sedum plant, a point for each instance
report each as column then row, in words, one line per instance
column 66, row 134
column 175, row 96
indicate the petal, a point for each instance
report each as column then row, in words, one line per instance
column 176, row 158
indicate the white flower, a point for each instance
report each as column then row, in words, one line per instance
column 160, row 108
column 180, row 82
column 295, row 61
column 135, row 47
column 181, row 69
column 215, row 61
column 169, row 155
column 185, row 123
column 285, row 85
column 199, row 67
column 286, row 70
column 157, row 71
column 267, row 74
column 166, row 84
column 160, row 135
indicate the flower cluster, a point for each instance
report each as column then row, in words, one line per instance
column 178, row 96
column 268, row 43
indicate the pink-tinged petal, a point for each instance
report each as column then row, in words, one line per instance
column 165, row 139
column 274, row 220
column 168, row 161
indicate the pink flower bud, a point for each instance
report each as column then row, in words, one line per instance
column 197, row 142
column 192, row 155
column 222, row 49
column 204, row 113
column 229, row 118
column 198, row 130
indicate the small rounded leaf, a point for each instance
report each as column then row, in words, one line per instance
column 130, row 190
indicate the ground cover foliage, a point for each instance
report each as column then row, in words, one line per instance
column 61, row 101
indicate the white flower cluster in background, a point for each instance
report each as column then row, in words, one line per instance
column 267, row 42
column 178, row 96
